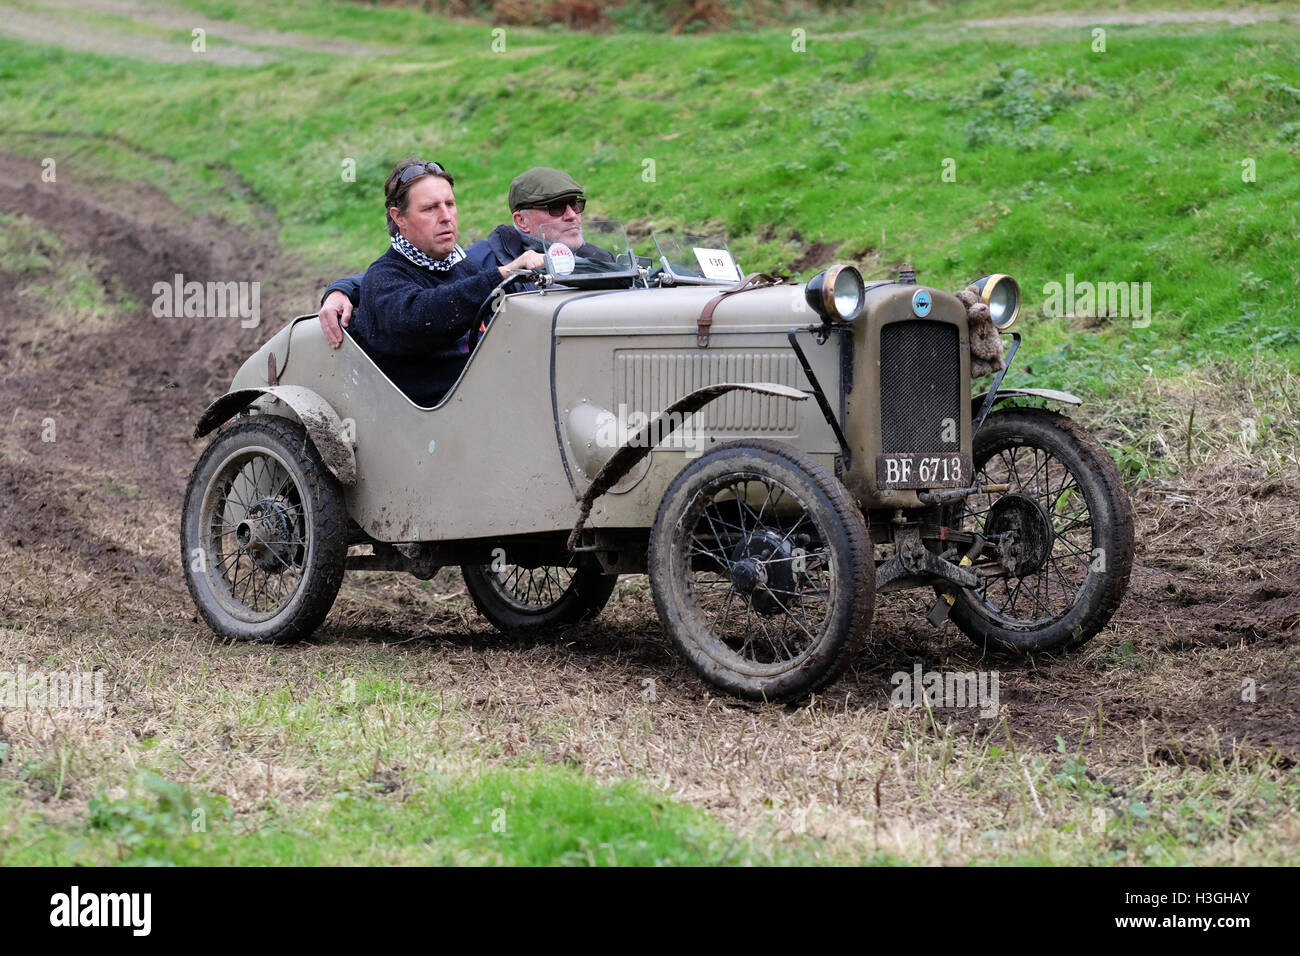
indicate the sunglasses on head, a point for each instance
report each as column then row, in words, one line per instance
column 556, row 207
column 421, row 169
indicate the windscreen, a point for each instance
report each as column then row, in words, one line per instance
column 697, row 260
column 594, row 249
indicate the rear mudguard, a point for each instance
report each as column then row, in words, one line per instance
column 664, row 424
column 323, row 425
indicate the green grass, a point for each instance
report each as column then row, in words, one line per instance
column 1034, row 809
column 527, row 817
column 1119, row 166
column 359, row 753
column 333, row 770
column 390, row 784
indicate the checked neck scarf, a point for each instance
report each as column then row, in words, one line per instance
column 401, row 244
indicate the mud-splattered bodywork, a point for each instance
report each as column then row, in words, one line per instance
column 562, row 379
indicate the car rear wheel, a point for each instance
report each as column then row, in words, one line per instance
column 263, row 533
column 523, row 600
column 761, row 569
column 1066, row 567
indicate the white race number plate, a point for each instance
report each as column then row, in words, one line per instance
column 923, row 471
column 716, row 263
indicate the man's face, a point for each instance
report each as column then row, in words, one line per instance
column 430, row 220
column 566, row 227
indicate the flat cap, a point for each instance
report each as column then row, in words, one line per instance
column 540, row 185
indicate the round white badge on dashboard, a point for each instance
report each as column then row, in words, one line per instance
column 561, row 257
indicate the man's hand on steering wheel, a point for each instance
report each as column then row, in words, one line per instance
column 525, row 263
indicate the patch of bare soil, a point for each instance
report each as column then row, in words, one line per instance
column 114, row 402
column 815, row 254
column 1202, row 651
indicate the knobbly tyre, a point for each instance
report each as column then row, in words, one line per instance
column 771, row 454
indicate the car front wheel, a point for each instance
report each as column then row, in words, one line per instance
column 761, row 569
column 1066, row 531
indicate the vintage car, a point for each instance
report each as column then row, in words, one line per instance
column 772, row 454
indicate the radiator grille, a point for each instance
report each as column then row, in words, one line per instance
column 648, row 382
column 920, row 386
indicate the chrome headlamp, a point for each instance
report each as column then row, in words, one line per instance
column 836, row 294
column 1002, row 295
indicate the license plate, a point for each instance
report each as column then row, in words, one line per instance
column 923, row 471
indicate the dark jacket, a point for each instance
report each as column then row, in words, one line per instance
column 411, row 320
column 503, row 246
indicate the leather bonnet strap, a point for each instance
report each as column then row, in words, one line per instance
column 755, row 280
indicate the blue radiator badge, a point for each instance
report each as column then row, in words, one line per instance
column 921, row 303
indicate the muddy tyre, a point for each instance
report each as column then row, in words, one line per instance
column 1074, row 526
column 521, row 600
column 263, row 533
column 761, row 569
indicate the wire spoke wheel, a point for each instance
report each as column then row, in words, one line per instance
column 1064, row 533
column 758, row 563
column 522, row 599
column 531, row 589
column 261, row 533
column 1047, row 514
column 760, row 582
column 254, row 521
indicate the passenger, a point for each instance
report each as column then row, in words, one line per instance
column 419, row 300
column 540, row 197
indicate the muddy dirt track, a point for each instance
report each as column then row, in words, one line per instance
column 1213, row 602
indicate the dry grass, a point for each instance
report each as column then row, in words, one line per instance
column 1233, row 416
column 284, row 728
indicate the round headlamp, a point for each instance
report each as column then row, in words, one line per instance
column 836, row 294
column 1002, row 295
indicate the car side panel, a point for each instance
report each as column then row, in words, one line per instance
column 498, row 456
column 635, row 353
column 483, row 463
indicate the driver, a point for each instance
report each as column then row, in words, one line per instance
column 420, row 298
column 541, row 198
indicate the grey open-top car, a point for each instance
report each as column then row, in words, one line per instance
column 772, row 454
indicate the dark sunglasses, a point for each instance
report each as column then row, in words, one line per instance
column 556, row 207
column 421, row 169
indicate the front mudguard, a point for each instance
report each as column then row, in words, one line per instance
column 1004, row 394
column 983, row 403
column 323, row 424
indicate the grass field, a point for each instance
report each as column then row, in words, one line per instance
column 884, row 134
column 1166, row 159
